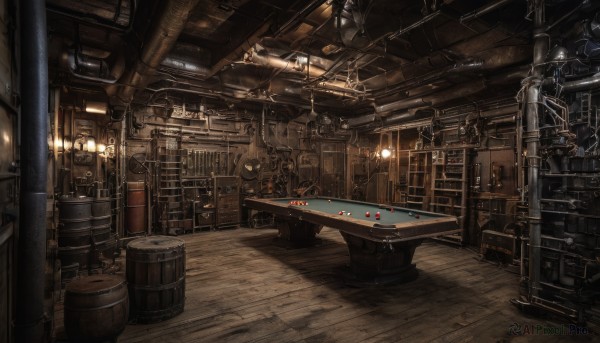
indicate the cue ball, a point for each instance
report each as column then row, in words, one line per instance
column 367, row 214
column 410, row 213
column 329, row 200
column 349, row 213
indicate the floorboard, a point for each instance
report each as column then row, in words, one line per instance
column 244, row 285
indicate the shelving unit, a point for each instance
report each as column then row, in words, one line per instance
column 418, row 179
column 199, row 202
column 449, row 186
column 227, row 201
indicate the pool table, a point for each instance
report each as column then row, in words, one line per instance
column 377, row 247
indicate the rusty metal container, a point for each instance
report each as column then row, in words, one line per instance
column 74, row 208
column 96, row 308
column 101, row 207
column 135, row 213
column 101, row 221
column 100, row 234
column 74, row 224
column 156, row 278
column 78, row 237
column 75, row 255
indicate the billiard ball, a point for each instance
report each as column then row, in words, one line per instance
column 392, row 210
column 410, row 214
column 377, row 215
column 340, row 212
column 417, row 216
column 329, row 200
column 348, row 213
column 306, row 203
column 367, row 214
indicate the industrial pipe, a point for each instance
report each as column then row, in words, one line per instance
column 532, row 138
column 484, row 10
column 434, row 99
column 589, row 83
column 172, row 17
column 31, row 261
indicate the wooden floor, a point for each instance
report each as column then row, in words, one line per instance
column 243, row 286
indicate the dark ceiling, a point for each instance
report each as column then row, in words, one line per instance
column 352, row 58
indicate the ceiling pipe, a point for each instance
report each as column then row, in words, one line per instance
column 162, row 36
column 415, row 25
column 185, row 65
column 298, row 67
column 92, row 68
column 31, row 254
column 434, row 99
column 484, row 10
column 589, row 83
column 238, row 52
column 283, row 65
column 110, row 19
column 445, row 95
column 495, row 58
column 298, row 17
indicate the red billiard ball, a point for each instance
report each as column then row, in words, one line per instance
column 340, row 213
column 367, row 214
column 377, row 215
column 392, row 210
column 417, row 216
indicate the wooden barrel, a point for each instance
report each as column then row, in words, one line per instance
column 156, row 278
column 96, row 308
column 135, row 213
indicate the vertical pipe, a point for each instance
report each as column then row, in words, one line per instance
column 540, row 48
column 56, row 95
column 121, row 176
column 34, row 125
column 72, row 189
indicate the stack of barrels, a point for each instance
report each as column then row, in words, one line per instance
column 85, row 240
column 97, row 307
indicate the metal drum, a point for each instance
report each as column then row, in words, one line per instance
column 74, row 208
column 100, row 234
column 156, row 278
column 74, row 235
column 96, row 308
column 101, row 207
column 75, row 255
column 74, row 225
column 101, row 221
column 103, row 255
column 135, row 213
